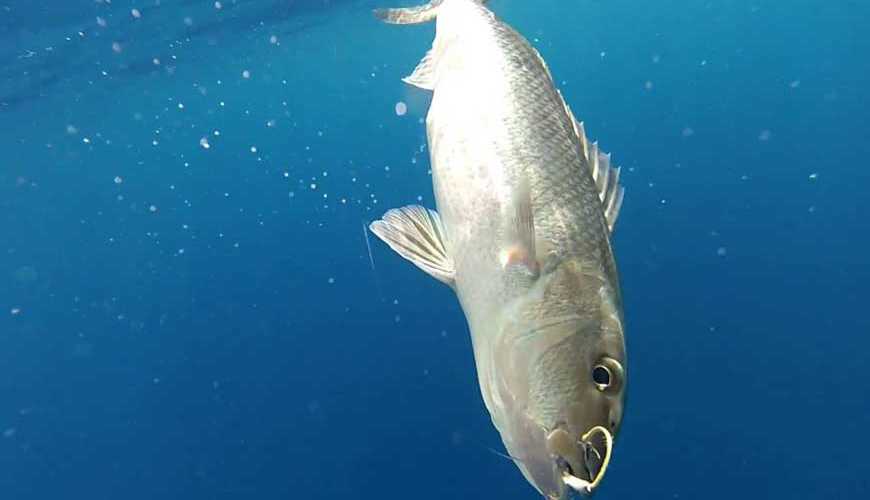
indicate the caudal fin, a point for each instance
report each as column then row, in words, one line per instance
column 410, row 15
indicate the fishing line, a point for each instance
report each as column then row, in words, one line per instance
column 372, row 260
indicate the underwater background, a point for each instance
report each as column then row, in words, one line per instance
column 190, row 307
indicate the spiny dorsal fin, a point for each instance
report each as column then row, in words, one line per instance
column 416, row 234
column 605, row 176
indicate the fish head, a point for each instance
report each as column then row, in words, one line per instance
column 561, row 386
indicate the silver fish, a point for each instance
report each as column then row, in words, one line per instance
column 526, row 206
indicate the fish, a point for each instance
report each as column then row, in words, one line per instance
column 525, row 207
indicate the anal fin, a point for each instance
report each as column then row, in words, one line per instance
column 416, row 234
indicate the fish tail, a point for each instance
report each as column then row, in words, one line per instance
column 413, row 15
column 410, row 15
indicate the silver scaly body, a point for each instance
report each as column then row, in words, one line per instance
column 525, row 207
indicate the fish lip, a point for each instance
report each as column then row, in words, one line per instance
column 583, row 486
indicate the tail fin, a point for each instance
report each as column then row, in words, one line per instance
column 410, row 15
column 413, row 15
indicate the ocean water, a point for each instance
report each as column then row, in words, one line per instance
column 189, row 308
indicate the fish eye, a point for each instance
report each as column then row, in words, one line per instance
column 607, row 375
column 601, row 376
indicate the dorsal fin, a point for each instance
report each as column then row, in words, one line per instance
column 605, row 176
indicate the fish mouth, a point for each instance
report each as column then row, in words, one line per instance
column 597, row 445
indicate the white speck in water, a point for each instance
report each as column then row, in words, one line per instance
column 246, row 74
column 218, row 5
column 101, row 22
column 814, row 176
column 204, row 143
column 15, row 311
column 152, row 209
column 155, row 61
column 86, row 140
column 135, row 13
column 273, row 39
column 118, row 179
column 313, row 186
column 401, row 108
column 116, row 47
column 253, row 149
column 331, row 280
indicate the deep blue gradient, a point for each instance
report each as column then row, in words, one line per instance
column 191, row 323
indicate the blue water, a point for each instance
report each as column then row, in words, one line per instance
column 183, row 322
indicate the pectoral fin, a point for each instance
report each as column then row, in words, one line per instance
column 416, row 234
column 520, row 234
column 424, row 74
